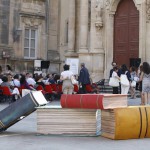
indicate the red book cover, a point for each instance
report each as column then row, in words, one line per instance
column 87, row 101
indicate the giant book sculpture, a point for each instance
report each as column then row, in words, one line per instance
column 65, row 121
column 20, row 109
column 94, row 101
column 126, row 123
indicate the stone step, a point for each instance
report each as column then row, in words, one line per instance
column 108, row 89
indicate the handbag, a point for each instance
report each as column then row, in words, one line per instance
column 124, row 80
column 136, row 79
column 133, row 83
column 73, row 80
column 114, row 82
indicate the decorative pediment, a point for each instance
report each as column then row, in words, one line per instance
column 34, row 1
column 32, row 21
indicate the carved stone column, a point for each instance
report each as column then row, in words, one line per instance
column 71, row 27
column 83, row 26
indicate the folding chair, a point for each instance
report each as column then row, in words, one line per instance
column 54, row 87
column 76, row 88
column 7, row 94
column 40, row 88
column 89, row 88
column 50, row 94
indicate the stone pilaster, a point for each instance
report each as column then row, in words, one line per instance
column 71, row 27
column 83, row 48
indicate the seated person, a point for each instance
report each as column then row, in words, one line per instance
column 24, row 84
column 15, row 82
column 13, row 91
column 39, row 81
column 30, row 79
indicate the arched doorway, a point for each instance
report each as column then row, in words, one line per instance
column 126, row 32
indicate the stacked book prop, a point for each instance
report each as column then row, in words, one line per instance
column 20, row 109
column 79, row 115
column 57, row 120
column 94, row 101
column 126, row 123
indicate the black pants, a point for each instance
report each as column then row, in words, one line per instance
column 115, row 90
column 84, row 89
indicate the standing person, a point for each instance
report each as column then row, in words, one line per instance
column 145, row 78
column 124, row 71
column 67, row 86
column 133, row 76
column 117, row 78
column 84, row 78
column 111, row 71
column 140, row 84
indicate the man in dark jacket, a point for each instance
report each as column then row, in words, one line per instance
column 84, row 78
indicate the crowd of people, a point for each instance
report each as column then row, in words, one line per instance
column 63, row 83
column 131, row 79
column 137, row 78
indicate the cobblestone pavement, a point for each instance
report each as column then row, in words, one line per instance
column 23, row 136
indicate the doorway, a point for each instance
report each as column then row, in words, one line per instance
column 126, row 32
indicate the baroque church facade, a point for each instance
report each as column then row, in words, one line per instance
column 102, row 31
column 96, row 32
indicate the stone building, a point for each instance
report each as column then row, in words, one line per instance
column 96, row 32
column 100, row 31
column 22, row 33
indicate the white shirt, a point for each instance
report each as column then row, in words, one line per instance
column 67, row 74
column 114, row 74
column 31, row 81
column 1, row 81
column 15, row 82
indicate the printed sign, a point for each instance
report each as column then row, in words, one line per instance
column 74, row 65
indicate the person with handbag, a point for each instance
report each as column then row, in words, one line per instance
column 114, row 80
column 125, row 79
column 114, row 64
column 133, row 81
column 145, row 78
column 67, row 86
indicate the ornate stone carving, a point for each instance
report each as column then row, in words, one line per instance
column 107, row 4
column 98, row 22
column 32, row 22
column 148, row 9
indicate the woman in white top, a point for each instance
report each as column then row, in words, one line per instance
column 117, row 78
column 66, row 75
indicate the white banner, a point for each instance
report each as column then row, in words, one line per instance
column 74, row 65
column 37, row 63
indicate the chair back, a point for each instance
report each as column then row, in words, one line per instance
column 54, row 87
column 6, row 91
column 48, row 89
column 59, row 88
column 89, row 88
column 76, row 88
column 40, row 88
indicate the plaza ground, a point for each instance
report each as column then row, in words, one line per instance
column 23, row 135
